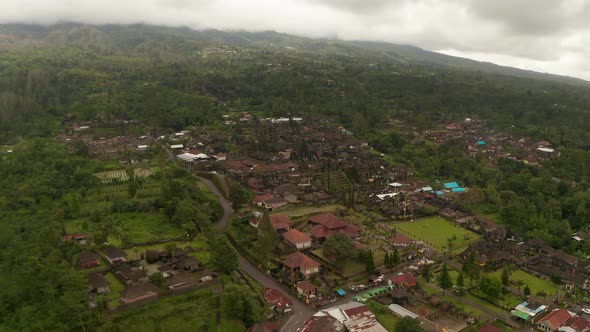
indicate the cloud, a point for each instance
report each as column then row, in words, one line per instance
column 546, row 34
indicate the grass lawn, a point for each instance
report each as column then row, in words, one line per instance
column 350, row 267
column 142, row 227
column 535, row 284
column 116, row 288
column 387, row 319
column 436, row 231
column 194, row 311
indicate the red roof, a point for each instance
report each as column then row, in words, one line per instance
column 263, row 198
column 543, row 143
column 578, row 323
column 401, row 239
column 328, row 220
column 406, row 280
column 295, row 236
column 556, row 319
column 280, row 221
column 356, row 311
column 276, row 298
column 300, row 260
column 306, row 286
column 321, row 231
column 489, row 328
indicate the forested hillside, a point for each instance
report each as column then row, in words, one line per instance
column 172, row 77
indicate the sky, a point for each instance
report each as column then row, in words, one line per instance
column 542, row 35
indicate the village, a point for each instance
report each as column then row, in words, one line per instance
column 313, row 181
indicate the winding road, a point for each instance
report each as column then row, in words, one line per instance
column 301, row 312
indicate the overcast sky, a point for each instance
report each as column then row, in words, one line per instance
column 543, row 35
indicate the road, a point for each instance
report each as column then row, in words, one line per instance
column 301, row 312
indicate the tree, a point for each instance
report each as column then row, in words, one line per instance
column 490, row 286
column 338, row 248
column 526, row 291
column 387, row 261
column 427, row 272
column 369, row 262
column 237, row 301
column 223, row 254
column 132, row 187
column 395, row 257
column 408, row 324
column 444, row 280
column 268, row 238
column 505, row 277
column 157, row 279
column 460, row 280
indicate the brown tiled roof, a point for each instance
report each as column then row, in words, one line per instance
column 400, row 238
column 322, row 324
column 276, row 298
column 114, row 252
column 556, row 318
column 356, row 310
column 97, row 280
column 306, row 286
column 578, row 323
column 280, row 221
column 321, row 231
column 138, row 290
column 295, row 236
column 328, row 220
column 300, row 260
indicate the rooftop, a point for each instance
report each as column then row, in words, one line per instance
column 295, row 236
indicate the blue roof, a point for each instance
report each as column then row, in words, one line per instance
column 341, row 292
column 458, row 190
column 439, row 193
column 451, row 185
column 481, row 142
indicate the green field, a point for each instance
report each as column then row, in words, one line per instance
column 194, row 311
column 535, row 284
column 310, row 210
column 116, row 288
column 436, row 232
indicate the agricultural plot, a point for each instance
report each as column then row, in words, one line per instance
column 438, row 233
column 122, row 175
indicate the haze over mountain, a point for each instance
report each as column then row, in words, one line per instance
column 546, row 36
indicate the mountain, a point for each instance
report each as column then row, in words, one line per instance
column 128, row 36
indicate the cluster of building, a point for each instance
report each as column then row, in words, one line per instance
column 478, row 140
column 180, row 272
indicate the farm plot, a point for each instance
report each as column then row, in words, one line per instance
column 122, row 175
column 438, row 233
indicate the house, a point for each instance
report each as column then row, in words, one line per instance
column 406, row 280
column 181, row 280
column 115, row 255
column 306, row 288
column 554, row 320
column 575, row 324
column 324, row 323
column 78, row 237
column 140, row 293
column 97, row 283
column 270, row 201
column 489, row 328
column 277, row 299
column 361, row 319
column 327, row 224
column 399, row 295
column 528, row 311
column 298, row 262
column 281, row 223
column 130, row 276
column 297, row 238
column 400, row 240
column 87, row 260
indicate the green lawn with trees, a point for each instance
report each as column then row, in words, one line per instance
column 438, row 233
